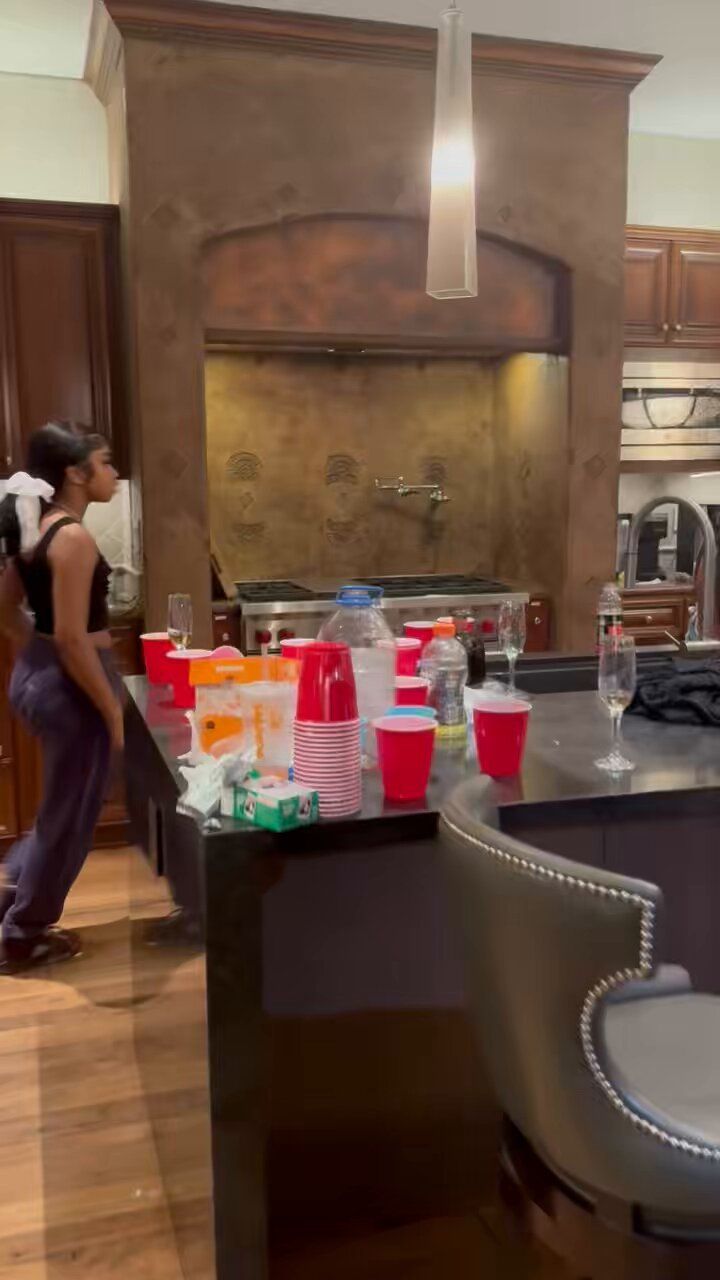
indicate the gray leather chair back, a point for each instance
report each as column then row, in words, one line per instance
column 545, row 940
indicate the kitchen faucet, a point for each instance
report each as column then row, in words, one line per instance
column 708, row 533
column 435, row 491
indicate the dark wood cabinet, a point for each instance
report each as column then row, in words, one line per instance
column 21, row 758
column 538, row 617
column 647, row 274
column 651, row 614
column 60, row 337
column 672, row 288
column 695, row 301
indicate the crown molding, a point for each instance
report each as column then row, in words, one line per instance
column 333, row 37
column 104, row 52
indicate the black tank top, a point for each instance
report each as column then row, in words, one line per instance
column 36, row 576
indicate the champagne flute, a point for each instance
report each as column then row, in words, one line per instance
column 616, row 687
column 511, row 637
column 180, row 620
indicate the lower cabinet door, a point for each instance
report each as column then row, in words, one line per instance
column 8, row 801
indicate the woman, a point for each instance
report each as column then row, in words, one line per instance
column 63, row 683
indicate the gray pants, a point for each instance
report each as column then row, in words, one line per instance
column 42, row 867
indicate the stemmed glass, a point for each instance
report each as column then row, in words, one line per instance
column 180, row 620
column 616, row 687
column 511, row 637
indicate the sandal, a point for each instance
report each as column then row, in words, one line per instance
column 51, row 947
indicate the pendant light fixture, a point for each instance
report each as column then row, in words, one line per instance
column 452, row 247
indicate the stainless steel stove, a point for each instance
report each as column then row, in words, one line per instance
column 272, row 610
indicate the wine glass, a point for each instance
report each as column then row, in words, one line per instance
column 616, row 687
column 180, row 620
column 511, row 637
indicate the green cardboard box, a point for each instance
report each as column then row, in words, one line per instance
column 274, row 804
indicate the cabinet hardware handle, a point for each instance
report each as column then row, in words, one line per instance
column 678, row 328
column 665, row 327
column 537, row 621
column 648, row 617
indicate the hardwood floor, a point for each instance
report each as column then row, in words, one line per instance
column 80, row 1190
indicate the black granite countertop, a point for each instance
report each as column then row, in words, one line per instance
column 568, row 731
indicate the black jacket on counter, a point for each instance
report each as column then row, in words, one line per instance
column 680, row 692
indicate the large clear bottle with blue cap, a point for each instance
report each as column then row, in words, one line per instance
column 360, row 623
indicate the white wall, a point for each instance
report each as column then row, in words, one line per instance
column 637, row 488
column 674, row 182
column 53, row 140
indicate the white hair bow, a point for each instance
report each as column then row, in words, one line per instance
column 28, row 491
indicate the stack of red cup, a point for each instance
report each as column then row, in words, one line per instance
column 326, row 753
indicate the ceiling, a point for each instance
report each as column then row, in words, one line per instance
column 682, row 96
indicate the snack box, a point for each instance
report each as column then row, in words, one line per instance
column 273, row 803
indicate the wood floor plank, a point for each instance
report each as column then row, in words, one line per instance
column 81, row 1196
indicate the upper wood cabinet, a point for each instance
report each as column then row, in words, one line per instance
column 672, row 288
column 695, row 298
column 647, row 274
column 60, row 350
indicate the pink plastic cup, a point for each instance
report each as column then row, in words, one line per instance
column 501, row 726
column 405, row 752
column 156, row 645
column 411, row 691
column 422, row 631
column 407, row 655
column 179, row 663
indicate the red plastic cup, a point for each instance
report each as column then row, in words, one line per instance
column 422, row 631
column 326, row 689
column 405, row 752
column 179, row 665
column 294, row 647
column 501, row 726
column 407, row 655
column 156, row 645
column 411, row 691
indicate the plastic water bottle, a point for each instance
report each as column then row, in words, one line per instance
column 609, row 614
column 360, row 624
column 445, row 665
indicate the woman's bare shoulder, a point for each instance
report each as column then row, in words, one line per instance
column 71, row 541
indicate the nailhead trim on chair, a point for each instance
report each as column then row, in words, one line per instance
column 606, row 985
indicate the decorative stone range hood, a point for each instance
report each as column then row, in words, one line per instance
column 254, row 148
column 357, row 283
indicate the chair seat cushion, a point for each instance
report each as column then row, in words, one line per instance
column 663, row 1056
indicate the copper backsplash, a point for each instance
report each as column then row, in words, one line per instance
column 294, row 444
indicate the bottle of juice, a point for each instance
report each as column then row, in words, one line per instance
column 444, row 665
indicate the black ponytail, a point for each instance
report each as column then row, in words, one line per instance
column 9, row 527
column 51, row 450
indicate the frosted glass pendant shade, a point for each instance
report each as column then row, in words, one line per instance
column 452, row 247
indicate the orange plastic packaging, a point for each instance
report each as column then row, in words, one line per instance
column 242, row 670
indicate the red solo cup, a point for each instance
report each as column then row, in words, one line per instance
column 179, row 664
column 411, row 690
column 422, row 631
column 326, row 688
column 405, row 751
column 155, row 646
column 294, row 647
column 407, row 655
column 501, row 726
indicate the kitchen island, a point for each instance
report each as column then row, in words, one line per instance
column 303, row 1044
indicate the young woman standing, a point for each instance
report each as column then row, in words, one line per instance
column 63, row 684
